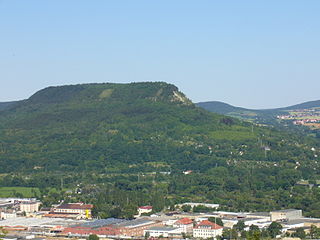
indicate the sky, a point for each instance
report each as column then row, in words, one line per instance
column 254, row 54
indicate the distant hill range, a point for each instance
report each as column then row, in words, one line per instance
column 309, row 109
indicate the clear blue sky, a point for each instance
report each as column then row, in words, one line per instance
column 256, row 54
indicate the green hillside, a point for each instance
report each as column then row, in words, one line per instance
column 6, row 105
column 108, row 126
column 123, row 135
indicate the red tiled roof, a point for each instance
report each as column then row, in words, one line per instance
column 207, row 223
column 145, row 207
column 184, row 221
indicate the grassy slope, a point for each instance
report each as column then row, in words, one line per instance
column 26, row 192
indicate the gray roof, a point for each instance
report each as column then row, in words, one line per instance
column 135, row 222
column 265, row 214
column 162, row 229
column 286, row 210
column 293, row 222
column 302, row 220
column 102, row 222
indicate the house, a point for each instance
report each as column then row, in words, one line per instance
column 185, row 224
column 206, row 229
column 144, row 209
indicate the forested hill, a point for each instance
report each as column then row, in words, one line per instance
column 225, row 108
column 305, row 105
column 134, row 128
column 220, row 107
column 6, row 105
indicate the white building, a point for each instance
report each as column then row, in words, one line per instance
column 29, row 206
column 207, row 229
column 286, row 214
column 7, row 215
column 191, row 204
column 163, row 232
column 144, row 209
column 186, row 225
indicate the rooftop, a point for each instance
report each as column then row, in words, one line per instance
column 102, row 222
column 135, row 223
column 206, row 223
column 162, row 229
column 75, row 206
column 184, row 221
column 145, row 207
column 266, row 214
column 286, row 210
column 36, row 222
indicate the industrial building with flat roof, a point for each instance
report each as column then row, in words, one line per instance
column 113, row 227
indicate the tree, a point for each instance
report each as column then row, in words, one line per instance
column 300, row 233
column 239, row 226
column 147, row 235
column 186, row 208
column 229, row 234
column 216, row 220
column 314, row 231
column 274, row 229
column 255, row 235
column 2, row 232
column 254, row 228
column 93, row 237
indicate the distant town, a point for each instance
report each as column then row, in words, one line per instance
column 23, row 218
column 306, row 117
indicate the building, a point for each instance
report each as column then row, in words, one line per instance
column 144, row 209
column 187, row 172
column 136, row 227
column 191, row 204
column 101, row 227
column 163, row 232
column 265, row 215
column 36, row 224
column 185, row 224
column 7, row 215
column 285, row 215
column 71, row 210
column 207, row 229
column 29, row 206
column 113, row 227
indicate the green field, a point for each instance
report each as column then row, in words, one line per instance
column 26, row 192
